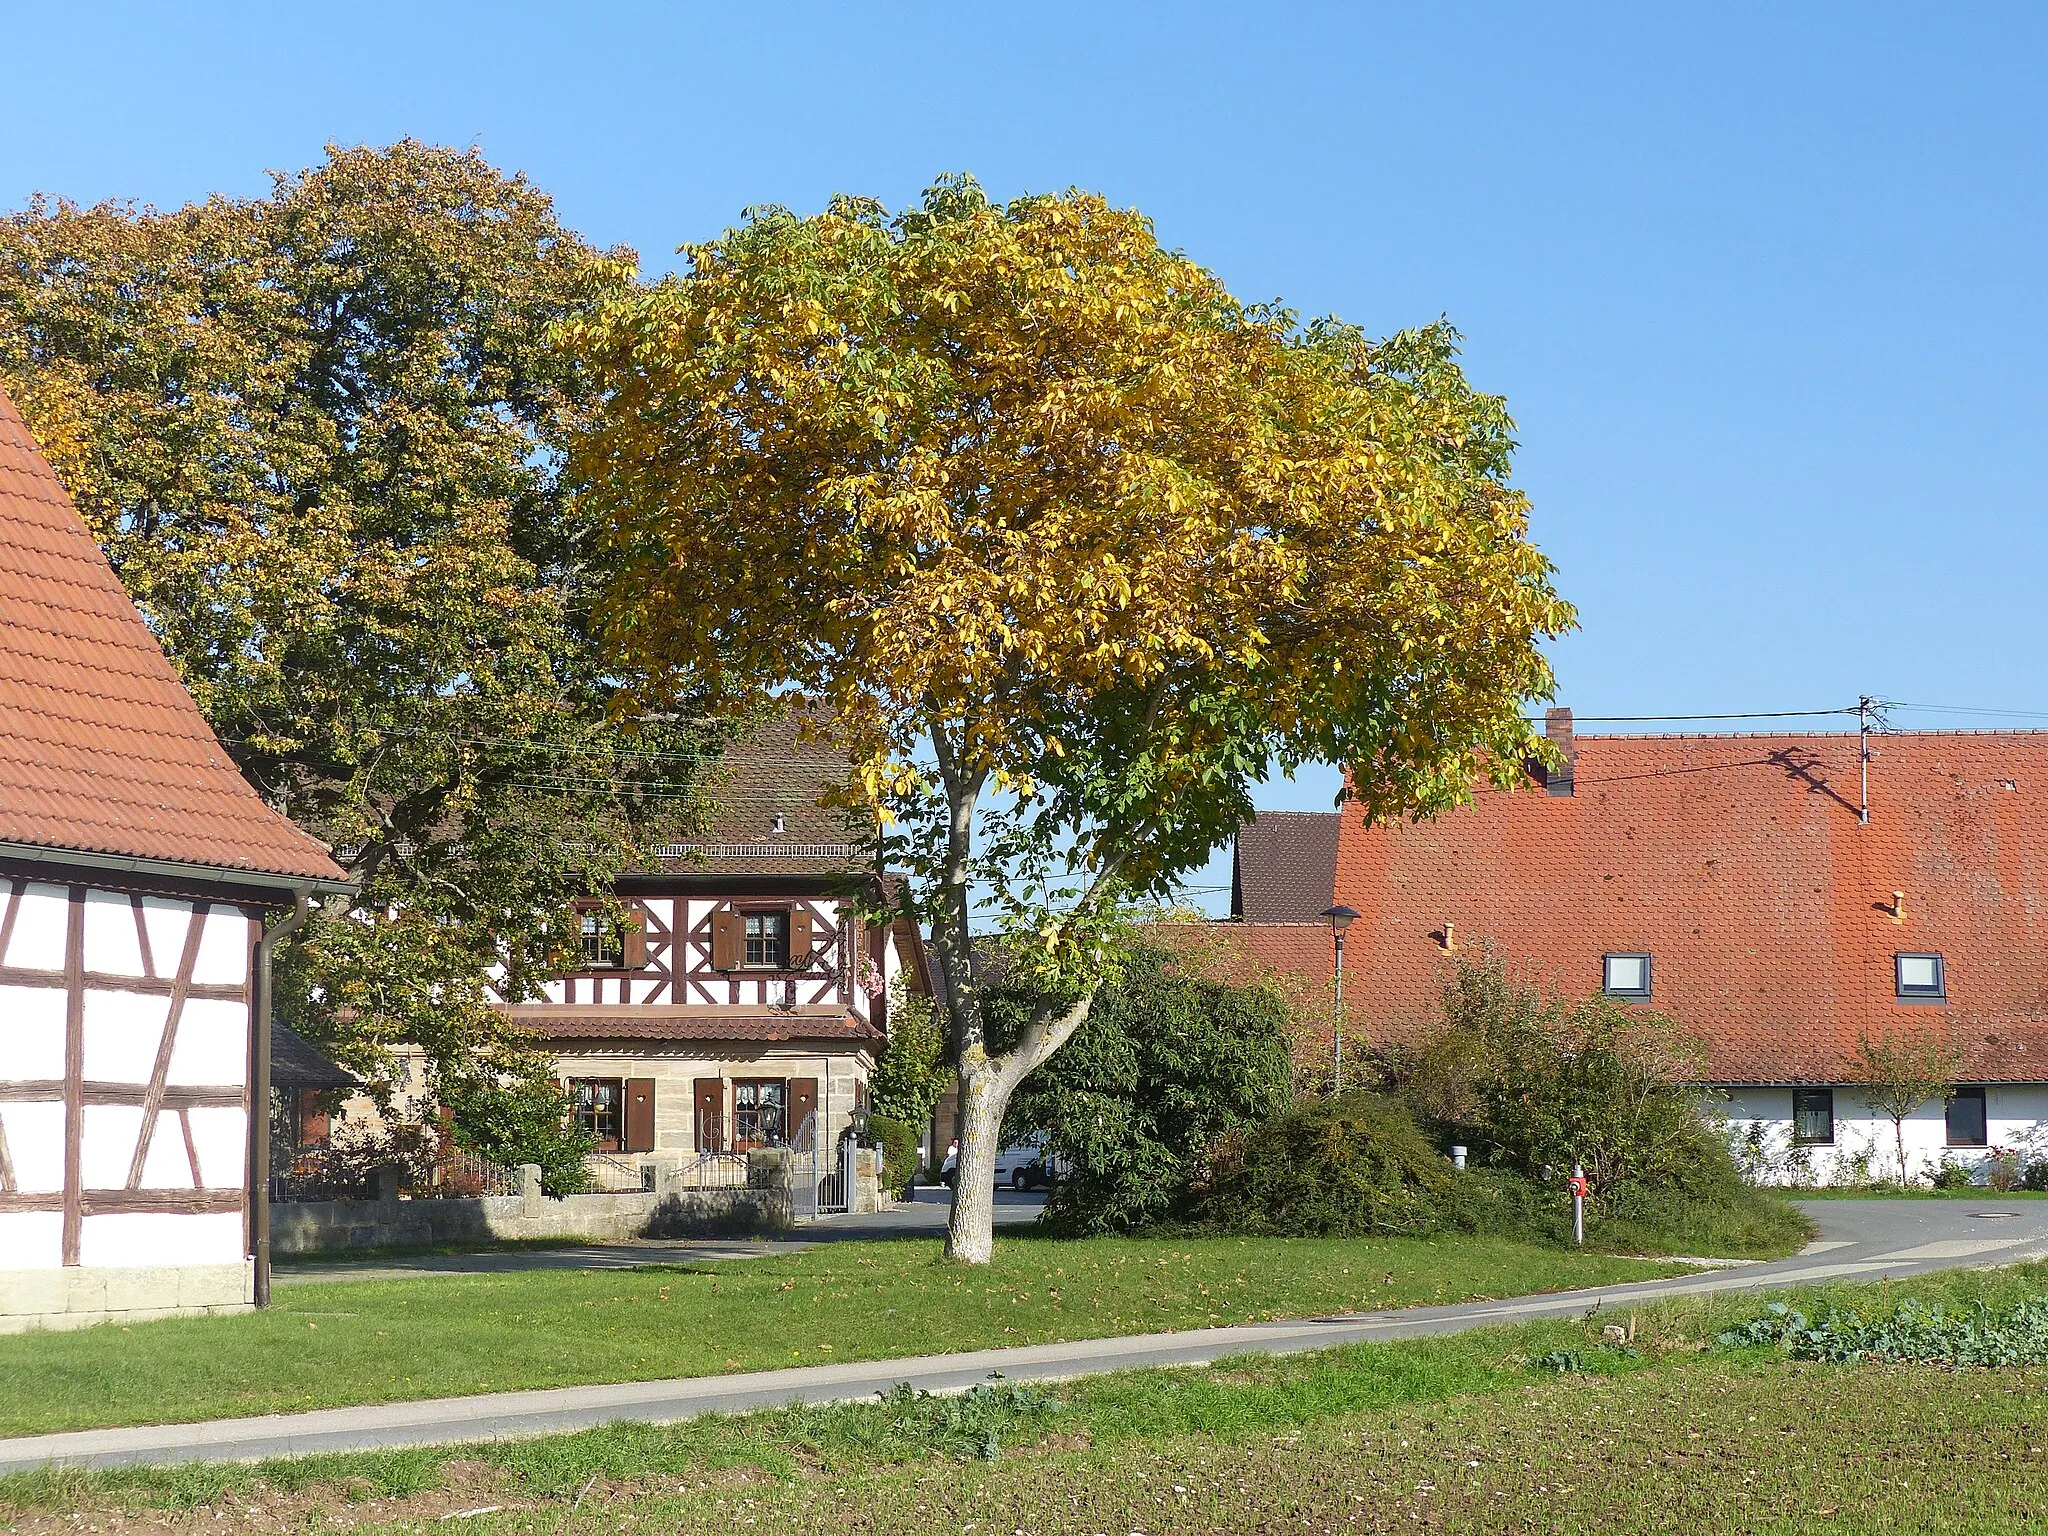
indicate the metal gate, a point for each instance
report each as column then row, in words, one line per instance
column 820, row 1177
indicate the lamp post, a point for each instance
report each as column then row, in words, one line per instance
column 1340, row 919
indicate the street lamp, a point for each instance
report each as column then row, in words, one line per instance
column 1340, row 919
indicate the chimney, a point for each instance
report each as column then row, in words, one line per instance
column 1898, row 906
column 1557, row 725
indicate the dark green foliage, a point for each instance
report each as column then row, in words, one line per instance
column 1534, row 1085
column 912, row 1071
column 1973, row 1334
column 1167, row 1064
column 521, row 1120
column 1351, row 1166
column 899, row 1152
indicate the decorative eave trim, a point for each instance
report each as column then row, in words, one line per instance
column 276, row 889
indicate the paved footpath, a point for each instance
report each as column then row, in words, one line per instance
column 1860, row 1240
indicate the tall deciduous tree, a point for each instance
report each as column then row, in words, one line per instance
column 320, row 433
column 1070, row 546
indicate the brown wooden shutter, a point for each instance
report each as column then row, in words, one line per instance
column 710, row 1096
column 799, row 938
column 803, row 1104
column 313, row 1125
column 639, row 1116
column 633, row 940
column 725, row 940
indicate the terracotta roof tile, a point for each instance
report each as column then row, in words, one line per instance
column 687, row 1022
column 101, row 748
column 1739, row 864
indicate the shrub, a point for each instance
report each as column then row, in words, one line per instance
column 911, row 1072
column 1951, row 1175
column 1348, row 1166
column 1535, row 1085
column 521, row 1120
column 899, row 1144
column 1167, row 1064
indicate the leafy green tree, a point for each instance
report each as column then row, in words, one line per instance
column 320, row 434
column 1901, row 1071
column 1070, row 546
column 1166, row 1065
column 1536, row 1084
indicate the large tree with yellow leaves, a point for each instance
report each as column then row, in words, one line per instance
column 1069, row 546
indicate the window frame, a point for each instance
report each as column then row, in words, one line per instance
column 1977, row 1092
column 778, row 959
column 745, row 1116
column 611, row 943
column 589, row 1116
column 1938, row 993
column 1827, row 1094
column 1630, row 994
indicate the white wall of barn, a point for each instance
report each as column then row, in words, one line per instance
column 1865, row 1144
column 122, row 939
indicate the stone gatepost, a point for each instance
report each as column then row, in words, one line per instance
column 771, row 1171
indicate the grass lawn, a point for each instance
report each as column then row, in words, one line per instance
column 369, row 1341
column 1468, row 1433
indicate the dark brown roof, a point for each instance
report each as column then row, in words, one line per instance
column 552, row 1021
column 768, row 773
column 101, row 748
column 295, row 1062
column 1285, row 867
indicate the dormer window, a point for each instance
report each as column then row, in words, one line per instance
column 1625, row 976
column 1920, row 978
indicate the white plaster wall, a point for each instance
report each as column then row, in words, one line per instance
column 167, row 922
column 37, row 942
column 122, row 1032
column 212, row 1048
column 35, row 1141
column 221, row 1135
column 2016, row 1119
column 168, row 1165
column 153, row 1239
column 223, row 950
column 107, row 1145
column 32, row 1239
column 32, row 1034
column 111, row 945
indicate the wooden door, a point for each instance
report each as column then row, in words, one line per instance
column 639, row 1115
column 710, row 1097
column 803, row 1109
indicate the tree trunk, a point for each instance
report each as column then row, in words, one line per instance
column 1899, row 1130
column 986, row 1083
column 970, row 1230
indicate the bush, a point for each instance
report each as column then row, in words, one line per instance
column 1167, row 1064
column 899, row 1144
column 1349, row 1166
column 1951, row 1175
column 521, row 1120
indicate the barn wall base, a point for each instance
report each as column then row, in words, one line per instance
column 78, row 1298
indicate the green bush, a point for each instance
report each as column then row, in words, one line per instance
column 1166, row 1065
column 1350, row 1166
column 899, row 1144
column 521, row 1120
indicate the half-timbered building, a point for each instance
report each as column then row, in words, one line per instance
column 743, row 1003
column 136, row 869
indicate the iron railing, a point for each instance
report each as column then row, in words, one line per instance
column 608, row 1175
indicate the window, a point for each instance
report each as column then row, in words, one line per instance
column 1966, row 1123
column 602, row 950
column 1625, row 975
column 1920, row 978
column 768, row 940
column 598, row 1104
column 1813, row 1117
column 757, row 1112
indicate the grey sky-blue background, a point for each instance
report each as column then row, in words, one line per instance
column 1762, row 284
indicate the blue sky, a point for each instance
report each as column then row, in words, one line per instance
column 1761, row 284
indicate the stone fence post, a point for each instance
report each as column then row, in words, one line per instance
column 529, row 1188
column 387, row 1187
column 770, row 1171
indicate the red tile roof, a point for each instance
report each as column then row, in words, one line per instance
column 1739, row 864
column 552, row 1021
column 101, row 748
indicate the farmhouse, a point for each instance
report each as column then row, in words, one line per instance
column 1736, row 884
column 743, row 1002
column 136, row 868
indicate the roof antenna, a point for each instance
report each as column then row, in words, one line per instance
column 1869, row 711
